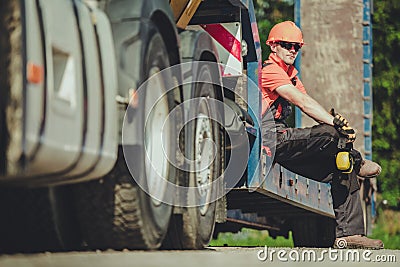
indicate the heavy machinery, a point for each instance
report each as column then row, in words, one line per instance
column 90, row 156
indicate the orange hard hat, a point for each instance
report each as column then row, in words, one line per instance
column 285, row 31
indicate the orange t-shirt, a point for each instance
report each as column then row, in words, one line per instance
column 275, row 74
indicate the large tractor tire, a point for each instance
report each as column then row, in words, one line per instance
column 11, row 85
column 193, row 229
column 32, row 219
column 313, row 231
column 37, row 220
column 115, row 212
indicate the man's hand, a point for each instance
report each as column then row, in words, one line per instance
column 343, row 127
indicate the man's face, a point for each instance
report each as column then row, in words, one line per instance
column 286, row 51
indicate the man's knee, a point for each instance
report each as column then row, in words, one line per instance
column 325, row 130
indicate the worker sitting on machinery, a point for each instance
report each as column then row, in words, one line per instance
column 323, row 152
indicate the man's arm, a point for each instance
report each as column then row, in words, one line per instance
column 306, row 103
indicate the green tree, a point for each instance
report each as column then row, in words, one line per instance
column 268, row 13
column 386, row 96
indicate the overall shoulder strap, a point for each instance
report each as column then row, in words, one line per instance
column 265, row 63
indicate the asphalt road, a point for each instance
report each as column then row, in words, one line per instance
column 213, row 256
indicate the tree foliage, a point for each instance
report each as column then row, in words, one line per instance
column 386, row 96
column 268, row 13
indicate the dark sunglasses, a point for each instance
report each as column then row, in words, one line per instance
column 288, row 46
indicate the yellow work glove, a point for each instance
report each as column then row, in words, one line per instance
column 343, row 127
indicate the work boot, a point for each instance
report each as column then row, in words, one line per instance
column 369, row 169
column 358, row 241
